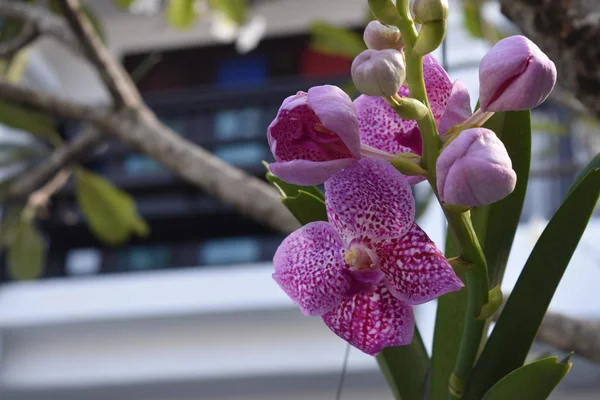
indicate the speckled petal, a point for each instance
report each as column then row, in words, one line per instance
column 308, row 267
column 382, row 128
column 307, row 173
column 415, row 269
column 369, row 199
column 372, row 321
column 336, row 111
column 458, row 108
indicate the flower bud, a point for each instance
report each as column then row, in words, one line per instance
column 475, row 169
column 430, row 10
column 378, row 36
column 378, row 72
column 515, row 75
column 430, row 37
column 385, row 11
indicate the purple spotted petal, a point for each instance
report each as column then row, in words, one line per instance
column 382, row 128
column 336, row 111
column 307, row 173
column 415, row 269
column 369, row 199
column 372, row 321
column 458, row 108
column 308, row 267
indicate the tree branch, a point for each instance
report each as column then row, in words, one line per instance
column 43, row 22
column 568, row 31
column 570, row 334
column 72, row 152
column 115, row 78
column 29, row 98
column 11, row 46
column 567, row 334
column 140, row 129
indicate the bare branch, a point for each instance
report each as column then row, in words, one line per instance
column 140, row 129
column 28, row 98
column 115, row 78
column 39, row 200
column 72, row 152
column 11, row 46
column 44, row 23
column 570, row 334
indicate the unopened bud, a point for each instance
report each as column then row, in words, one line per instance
column 379, row 36
column 430, row 37
column 515, row 75
column 475, row 169
column 379, row 72
column 430, row 10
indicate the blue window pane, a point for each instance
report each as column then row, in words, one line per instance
column 243, row 70
column 242, row 153
column 83, row 262
column 245, row 123
column 177, row 124
column 137, row 164
column 143, row 258
column 229, row 251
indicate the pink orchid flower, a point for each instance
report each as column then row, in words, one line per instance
column 381, row 128
column 315, row 135
column 362, row 270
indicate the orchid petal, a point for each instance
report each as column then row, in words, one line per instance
column 309, row 268
column 458, row 108
column 372, row 321
column 382, row 128
column 416, row 270
column 369, row 199
column 336, row 111
column 307, row 173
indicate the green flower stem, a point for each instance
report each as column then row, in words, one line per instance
column 460, row 222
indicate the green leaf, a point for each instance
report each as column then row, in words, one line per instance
column 181, row 14
column 11, row 219
column 111, row 213
column 125, row 4
column 405, row 368
column 534, row 381
column 496, row 224
column 235, row 10
column 472, row 18
column 334, row 40
column 449, row 323
column 26, row 253
column 306, row 203
column 507, row 347
column 92, row 17
column 37, row 123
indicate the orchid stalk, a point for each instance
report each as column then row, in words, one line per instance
column 460, row 222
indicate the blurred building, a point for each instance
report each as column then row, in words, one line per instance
column 191, row 311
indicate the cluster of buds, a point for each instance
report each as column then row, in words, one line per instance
column 362, row 270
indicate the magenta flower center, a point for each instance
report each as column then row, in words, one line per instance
column 300, row 135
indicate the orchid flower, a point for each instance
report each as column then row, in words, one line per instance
column 315, row 135
column 364, row 269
